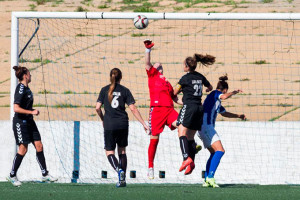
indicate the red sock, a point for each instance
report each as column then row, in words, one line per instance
column 151, row 151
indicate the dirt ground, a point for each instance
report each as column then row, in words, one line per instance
column 259, row 57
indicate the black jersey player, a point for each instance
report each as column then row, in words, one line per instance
column 24, row 127
column 115, row 121
column 191, row 114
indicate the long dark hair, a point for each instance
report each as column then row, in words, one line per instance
column 20, row 71
column 222, row 84
column 115, row 76
column 191, row 62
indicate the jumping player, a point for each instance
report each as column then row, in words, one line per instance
column 208, row 134
column 190, row 116
column 115, row 121
column 24, row 127
column 162, row 112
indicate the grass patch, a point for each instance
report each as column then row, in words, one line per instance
column 272, row 94
column 32, row 7
column 81, row 35
column 105, row 35
column 143, row 9
column 284, row 105
column 130, row 62
column 89, row 106
column 138, row 35
column 5, row 106
column 64, row 105
column 39, row 105
column 178, row 8
column 267, row 1
column 92, row 115
column 245, row 79
column 297, row 81
column 103, row 6
column 81, row 9
column 4, row 80
column 78, row 67
column 4, row 92
column 46, row 92
column 69, row 92
column 285, row 113
column 259, row 62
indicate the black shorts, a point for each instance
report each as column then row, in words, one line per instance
column 25, row 131
column 113, row 137
column 191, row 116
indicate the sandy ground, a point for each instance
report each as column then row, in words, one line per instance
column 271, row 90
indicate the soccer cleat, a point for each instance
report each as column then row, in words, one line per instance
column 14, row 180
column 49, row 178
column 212, row 182
column 185, row 163
column 121, row 175
column 205, row 184
column 151, row 173
column 189, row 169
column 198, row 148
column 121, row 184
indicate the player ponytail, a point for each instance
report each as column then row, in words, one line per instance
column 222, row 84
column 115, row 77
column 20, row 71
column 191, row 62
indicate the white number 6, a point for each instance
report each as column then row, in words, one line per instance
column 115, row 102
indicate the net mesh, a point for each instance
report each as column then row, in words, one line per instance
column 70, row 61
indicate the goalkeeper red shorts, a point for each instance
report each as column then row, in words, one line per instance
column 159, row 117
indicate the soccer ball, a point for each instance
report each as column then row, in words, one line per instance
column 140, row 22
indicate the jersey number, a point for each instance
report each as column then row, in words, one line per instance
column 115, row 102
column 198, row 89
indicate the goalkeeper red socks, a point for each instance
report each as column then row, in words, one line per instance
column 151, row 151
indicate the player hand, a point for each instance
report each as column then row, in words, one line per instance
column 35, row 112
column 148, row 44
column 243, row 117
column 146, row 128
column 237, row 91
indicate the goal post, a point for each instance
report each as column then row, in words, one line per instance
column 72, row 53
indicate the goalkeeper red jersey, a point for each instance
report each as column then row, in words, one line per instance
column 161, row 91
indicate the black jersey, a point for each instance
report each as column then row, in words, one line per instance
column 191, row 84
column 115, row 116
column 24, row 98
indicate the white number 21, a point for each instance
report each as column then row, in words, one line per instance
column 198, row 89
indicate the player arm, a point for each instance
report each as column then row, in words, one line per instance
column 138, row 116
column 99, row 111
column 177, row 89
column 177, row 100
column 148, row 44
column 229, row 94
column 232, row 115
column 20, row 110
column 209, row 88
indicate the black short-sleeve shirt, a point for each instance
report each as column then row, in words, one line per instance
column 191, row 84
column 24, row 98
column 115, row 117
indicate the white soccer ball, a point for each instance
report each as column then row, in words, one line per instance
column 140, row 22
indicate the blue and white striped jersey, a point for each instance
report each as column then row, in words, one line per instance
column 212, row 106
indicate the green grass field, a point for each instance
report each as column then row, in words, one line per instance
column 45, row 191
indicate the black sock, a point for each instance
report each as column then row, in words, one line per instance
column 42, row 162
column 123, row 162
column 192, row 148
column 113, row 161
column 16, row 164
column 184, row 145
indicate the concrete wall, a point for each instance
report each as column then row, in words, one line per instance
column 256, row 152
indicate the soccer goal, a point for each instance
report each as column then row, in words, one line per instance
column 71, row 54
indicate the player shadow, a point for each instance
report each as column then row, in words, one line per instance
column 237, row 185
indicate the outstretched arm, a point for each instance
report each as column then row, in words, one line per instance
column 229, row 94
column 232, row 115
column 99, row 111
column 138, row 116
column 209, row 88
column 177, row 100
column 148, row 44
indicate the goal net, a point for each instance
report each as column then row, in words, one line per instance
column 70, row 58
